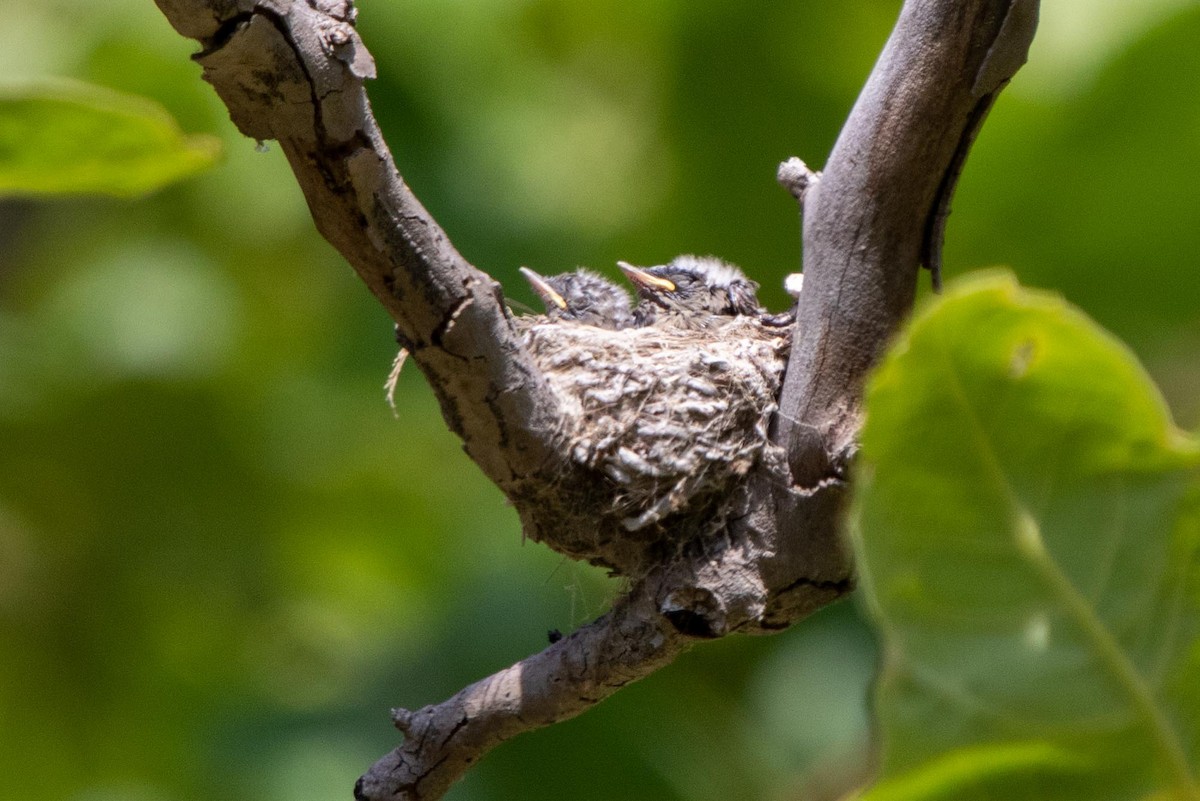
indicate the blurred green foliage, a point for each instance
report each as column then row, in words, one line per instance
column 222, row 560
column 69, row 137
column 1026, row 526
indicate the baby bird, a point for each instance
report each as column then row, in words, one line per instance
column 691, row 292
column 583, row 297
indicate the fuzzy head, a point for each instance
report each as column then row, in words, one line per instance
column 582, row 297
column 695, row 285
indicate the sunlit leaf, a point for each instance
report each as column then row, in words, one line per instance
column 1026, row 524
column 65, row 137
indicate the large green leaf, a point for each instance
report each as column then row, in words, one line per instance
column 66, row 137
column 1026, row 521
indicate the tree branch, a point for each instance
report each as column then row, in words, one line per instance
column 880, row 208
column 292, row 70
column 678, row 604
column 442, row 741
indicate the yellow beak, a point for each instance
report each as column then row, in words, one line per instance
column 544, row 290
column 644, row 279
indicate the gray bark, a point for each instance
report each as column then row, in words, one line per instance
column 293, row 71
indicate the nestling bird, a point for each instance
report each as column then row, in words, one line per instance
column 583, row 297
column 691, row 292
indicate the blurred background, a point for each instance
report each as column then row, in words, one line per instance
column 222, row 559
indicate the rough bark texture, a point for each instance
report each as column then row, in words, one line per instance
column 882, row 200
column 293, row 71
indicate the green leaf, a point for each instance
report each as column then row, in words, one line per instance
column 1026, row 521
column 65, row 137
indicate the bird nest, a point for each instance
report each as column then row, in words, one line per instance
column 672, row 418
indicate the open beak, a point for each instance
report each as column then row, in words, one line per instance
column 645, row 280
column 544, row 290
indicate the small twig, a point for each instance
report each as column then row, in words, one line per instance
column 795, row 176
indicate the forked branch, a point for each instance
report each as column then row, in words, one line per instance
column 293, row 71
